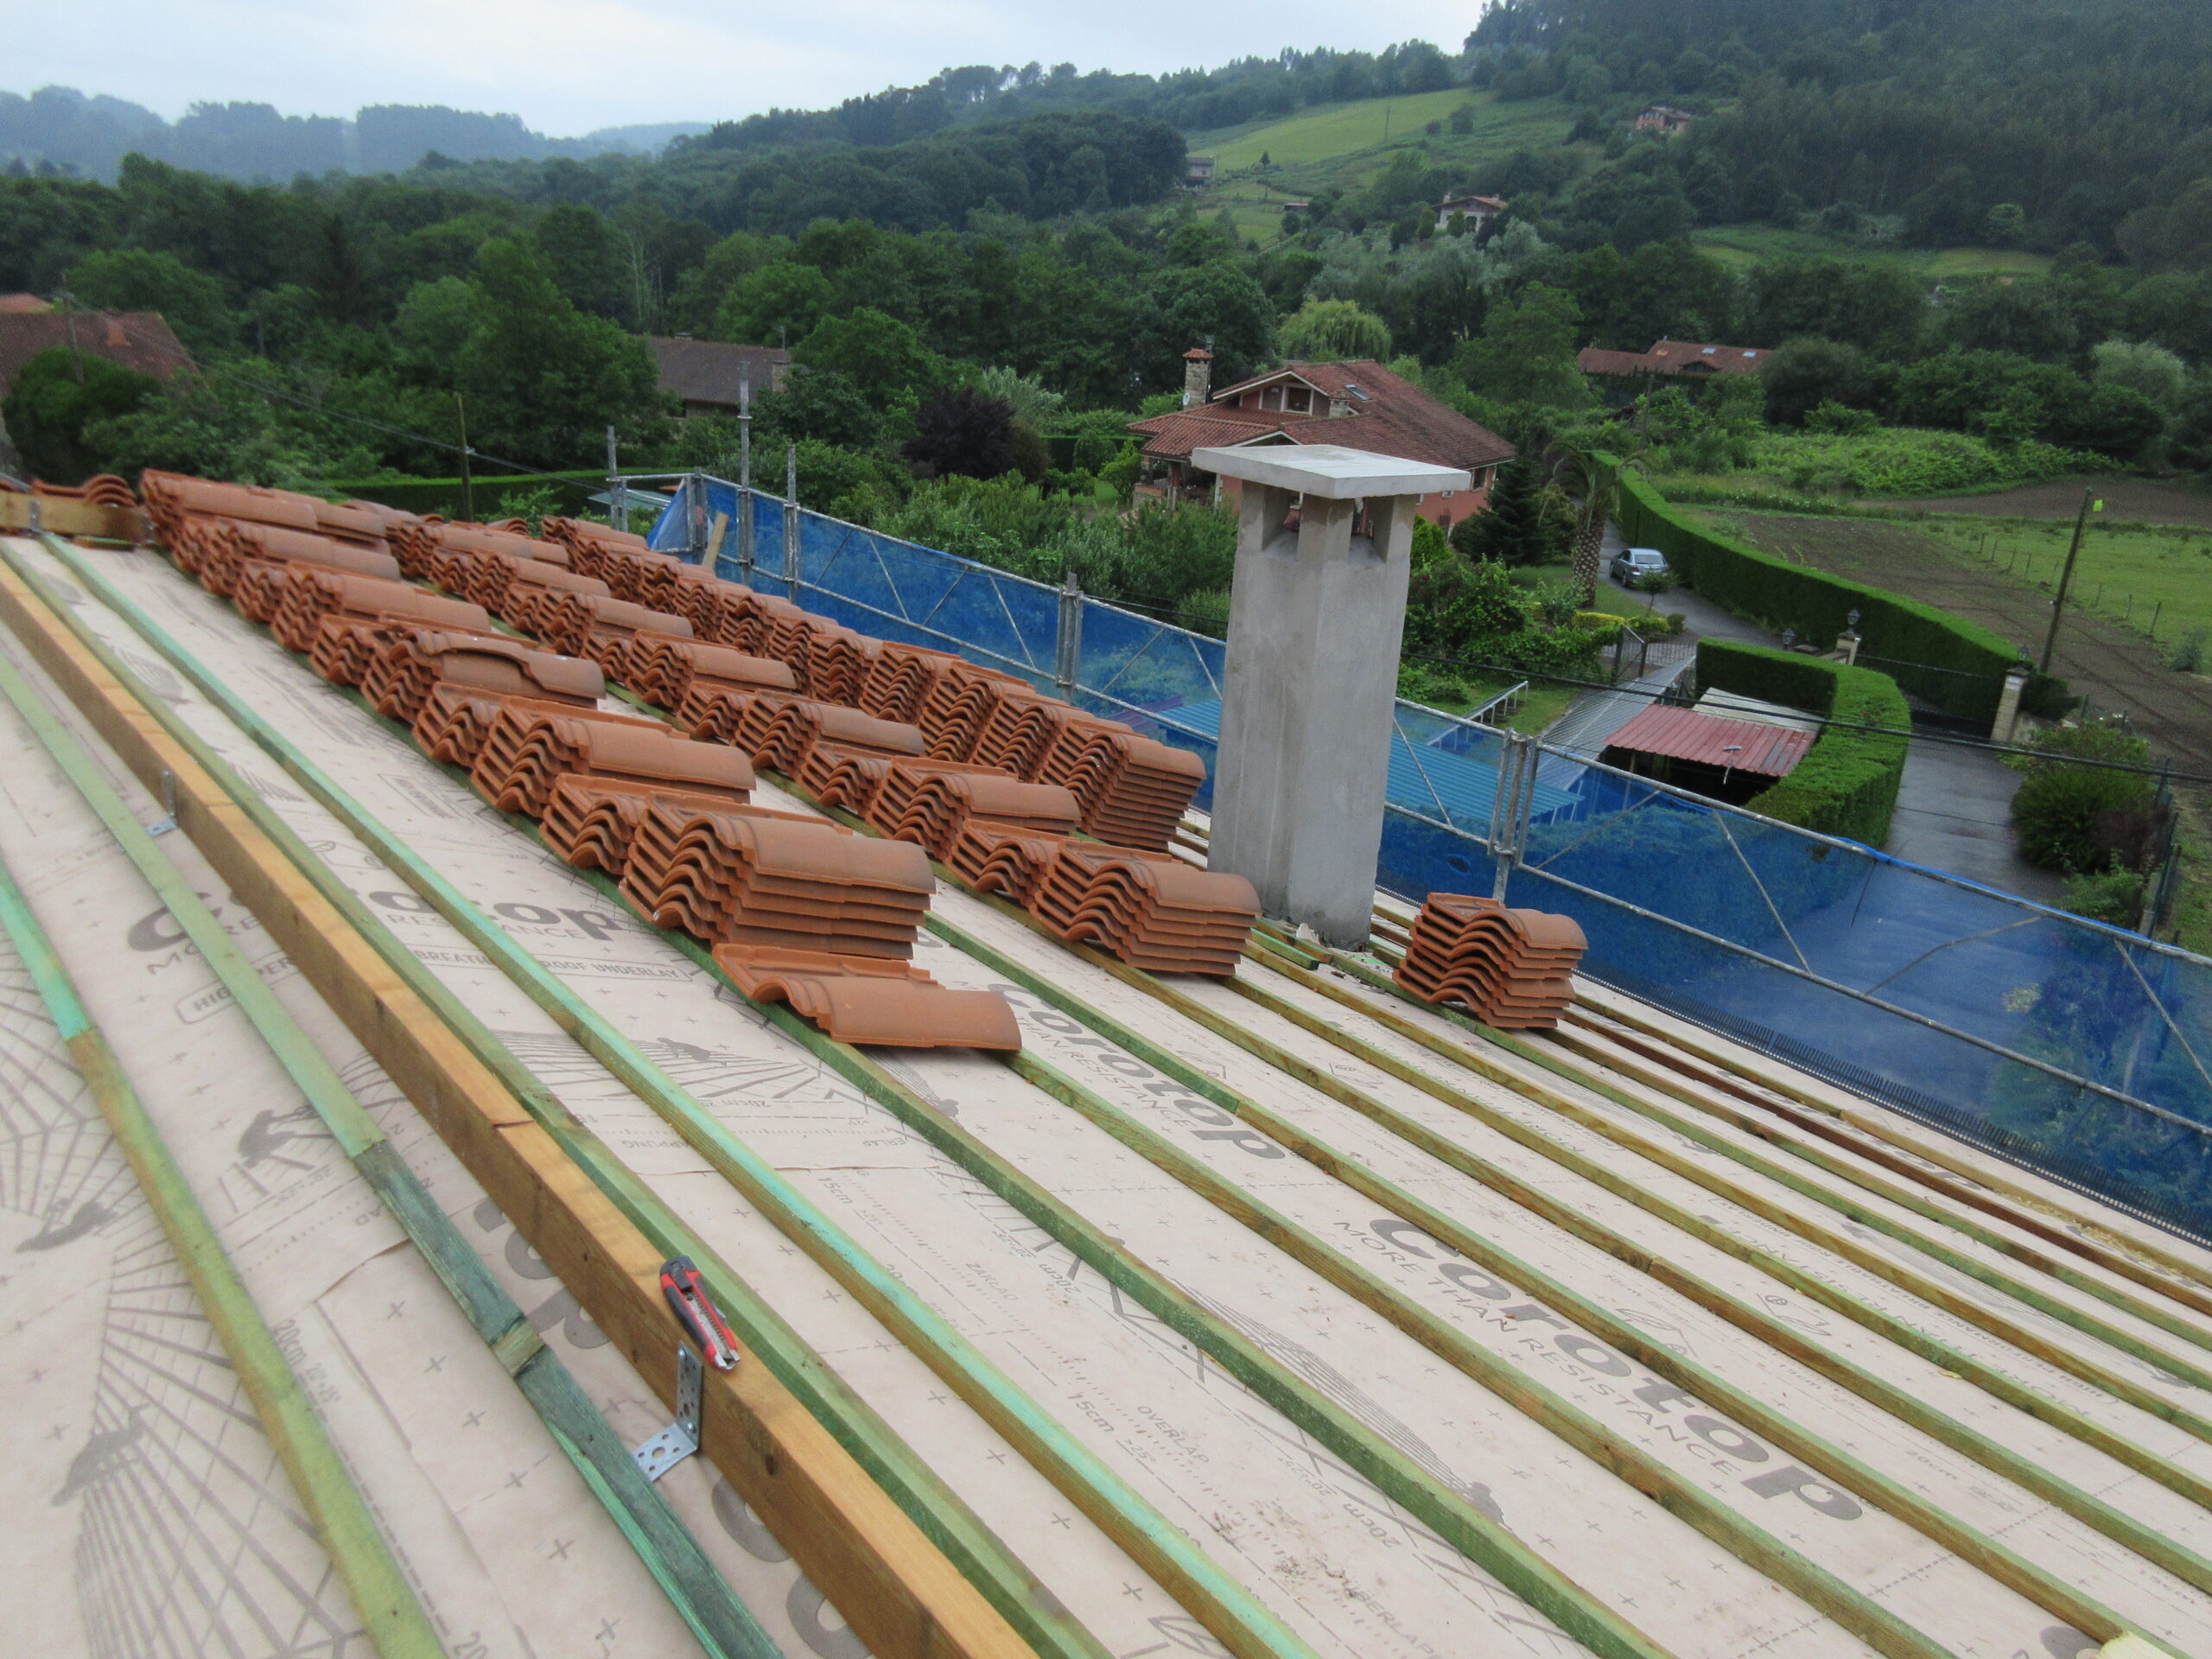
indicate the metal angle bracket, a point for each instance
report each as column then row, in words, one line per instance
column 162, row 825
column 656, row 1456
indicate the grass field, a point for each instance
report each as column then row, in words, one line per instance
column 2156, row 581
column 1346, row 144
column 1327, row 131
column 1744, row 244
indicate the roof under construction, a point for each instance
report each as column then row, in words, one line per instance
column 1265, row 1310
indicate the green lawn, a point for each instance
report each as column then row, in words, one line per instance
column 1346, row 144
column 1327, row 131
column 2130, row 576
column 1745, row 244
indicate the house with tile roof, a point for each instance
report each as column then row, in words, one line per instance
column 1359, row 405
column 1688, row 360
column 707, row 373
column 136, row 340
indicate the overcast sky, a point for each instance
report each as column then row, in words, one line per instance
column 567, row 66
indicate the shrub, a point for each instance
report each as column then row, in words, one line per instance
column 1847, row 782
column 2114, row 897
column 2085, row 820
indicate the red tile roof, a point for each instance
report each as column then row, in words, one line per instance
column 1672, row 357
column 1740, row 745
column 137, row 340
column 708, row 371
column 1385, row 415
column 1596, row 359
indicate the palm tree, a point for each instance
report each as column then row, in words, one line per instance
column 1595, row 480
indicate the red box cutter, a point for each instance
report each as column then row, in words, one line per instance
column 679, row 1283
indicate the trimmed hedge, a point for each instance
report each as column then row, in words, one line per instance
column 444, row 495
column 1847, row 782
column 1740, row 578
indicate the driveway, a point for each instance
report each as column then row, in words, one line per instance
column 1953, row 808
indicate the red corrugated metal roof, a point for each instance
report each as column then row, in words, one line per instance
column 1685, row 734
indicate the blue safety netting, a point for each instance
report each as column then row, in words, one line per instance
column 2079, row 1049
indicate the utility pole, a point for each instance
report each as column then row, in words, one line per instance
column 69, row 313
column 2089, row 504
column 617, row 498
column 744, row 475
column 467, row 485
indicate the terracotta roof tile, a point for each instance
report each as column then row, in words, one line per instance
column 709, row 370
column 1387, row 415
column 136, row 340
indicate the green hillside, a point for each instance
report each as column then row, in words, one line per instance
column 1746, row 245
column 1346, row 144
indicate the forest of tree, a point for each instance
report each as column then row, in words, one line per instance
column 1030, row 239
column 59, row 129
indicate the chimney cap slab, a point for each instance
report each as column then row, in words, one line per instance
column 1330, row 471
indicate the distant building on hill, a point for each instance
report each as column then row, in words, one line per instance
column 1665, row 120
column 1687, row 359
column 706, row 373
column 1478, row 211
column 136, row 340
column 1198, row 170
column 1359, row 405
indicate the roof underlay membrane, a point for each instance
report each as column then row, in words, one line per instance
column 1267, row 1314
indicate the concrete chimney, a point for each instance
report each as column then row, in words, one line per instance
column 1315, row 619
column 1198, row 376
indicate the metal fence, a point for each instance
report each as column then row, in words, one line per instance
column 2076, row 1049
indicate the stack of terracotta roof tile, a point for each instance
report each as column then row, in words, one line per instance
column 590, row 544
column 945, row 801
column 1508, row 968
column 312, row 594
column 102, row 490
column 1004, row 858
column 702, row 599
column 896, row 790
column 879, row 1003
column 1152, row 911
column 528, row 749
column 959, row 706
column 778, row 882
column 172, row 497
column 590, row 822
column 401, row 677
column 1026, row 728
column 777, row 731
column 900, row 678
column 845, row 777
column 666, row 668
column 345, row 646
column 229, row 547
column 642, row 576
column 833, row 664
column 1134, row 791
column 585, row 624
column 751, row 624
column 457, row 722
column 527, row 584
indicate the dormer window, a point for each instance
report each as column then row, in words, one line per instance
column 1300, row 400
